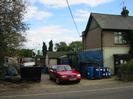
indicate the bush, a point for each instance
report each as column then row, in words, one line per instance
column 2, row 72
column 128, row 67
column 126, row 71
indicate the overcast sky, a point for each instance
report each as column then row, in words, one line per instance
column 51, row 19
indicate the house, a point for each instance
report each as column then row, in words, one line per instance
column 104, row 32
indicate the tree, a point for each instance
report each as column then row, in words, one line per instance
column 11, row 22
column 44, row 52
column 75, row 46
column 26, row 53
column 12, row 27
column 129, row 38
column 12, row 52
column 61, row 46
column 44, row 49
column 50, row 46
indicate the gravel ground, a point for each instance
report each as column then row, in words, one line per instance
column 46, row 83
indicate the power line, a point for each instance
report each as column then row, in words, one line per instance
column 72, row 17
column 122, row 3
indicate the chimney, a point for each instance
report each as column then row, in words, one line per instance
column 124, row 12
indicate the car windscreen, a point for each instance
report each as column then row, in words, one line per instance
column 54, row 67
column 64, row 68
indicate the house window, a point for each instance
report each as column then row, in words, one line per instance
column 118, row 38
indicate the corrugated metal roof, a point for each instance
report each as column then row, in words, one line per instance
column 119, row 22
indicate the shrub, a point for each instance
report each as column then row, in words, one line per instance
column 2, row 72
column 128, row 67
column 126, row 71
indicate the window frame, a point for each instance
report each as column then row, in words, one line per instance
column 118, row 38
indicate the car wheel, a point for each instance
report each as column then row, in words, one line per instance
column 58, row 81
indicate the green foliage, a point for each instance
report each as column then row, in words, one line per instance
column 2, row 71
column 61, row 46
column 75, row 46
column 44, row 49
column 12, row 27
column 50, row 46
column 126, row 71
column 11, row 52
column 127, row 68
column 26, row 53
column 11, row 23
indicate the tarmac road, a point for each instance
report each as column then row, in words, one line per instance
column 105, row 93
column 113, row 90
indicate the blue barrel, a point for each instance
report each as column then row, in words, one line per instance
column 101, row 71
column 108, row 72
column 105, row 73
column 90, row 73
column 97, row 73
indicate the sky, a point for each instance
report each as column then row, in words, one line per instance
column 51, row 19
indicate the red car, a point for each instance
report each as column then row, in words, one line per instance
column 63, row 73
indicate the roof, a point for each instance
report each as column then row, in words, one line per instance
column 112, row 22
column 56, row 55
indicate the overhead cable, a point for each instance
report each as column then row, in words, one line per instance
column 72, row 17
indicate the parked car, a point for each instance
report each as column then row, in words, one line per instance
column 63, row 73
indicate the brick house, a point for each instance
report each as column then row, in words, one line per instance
column 104, row 32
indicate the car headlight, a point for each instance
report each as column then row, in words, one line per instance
column 79, row 75
column 63, row 76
